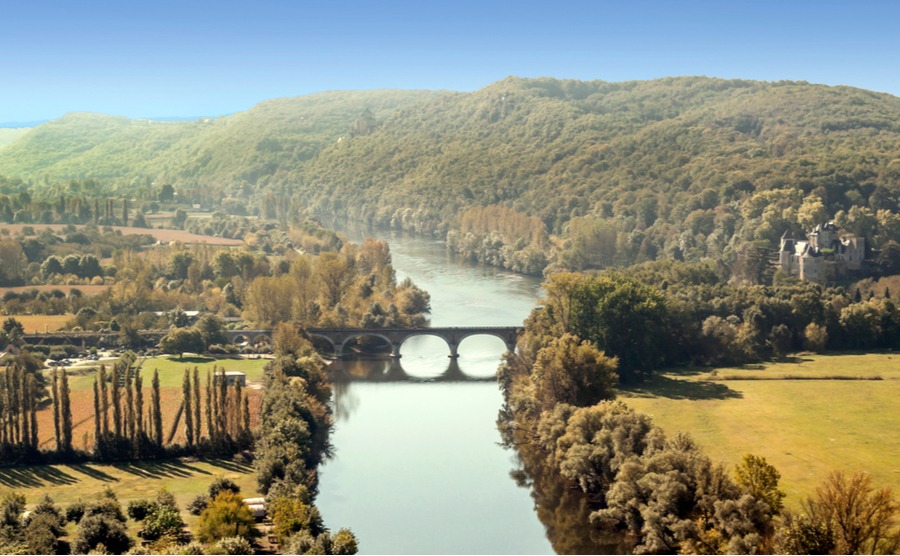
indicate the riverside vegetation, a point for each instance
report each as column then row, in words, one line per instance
column 659, row 491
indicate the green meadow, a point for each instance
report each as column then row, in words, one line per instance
column 807, row 416
column 171, row 369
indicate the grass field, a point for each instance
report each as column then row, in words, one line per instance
column 807, row 417
column 41, row 323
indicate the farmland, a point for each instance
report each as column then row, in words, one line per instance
column 807, row 417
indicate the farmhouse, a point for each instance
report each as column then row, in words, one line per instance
column 823, row 256
column 233, row 377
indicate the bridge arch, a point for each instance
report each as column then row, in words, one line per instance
column 395, row 337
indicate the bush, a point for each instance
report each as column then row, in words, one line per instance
column 163, row 520
column 75, row 511
column 138, row 509
column 221, row 484
column 231, row 545
column 226, row 516
column 198, row 504
column 42, row 534
column 95, row 530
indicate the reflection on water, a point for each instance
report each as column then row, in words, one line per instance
column 391, row 369
column 419, row 466
column 562, row 508
column 345, row 372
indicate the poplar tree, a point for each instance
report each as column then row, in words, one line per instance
column 98, row 438
column 3, row 410
column 54, row 390
column 14, row 405
column 117, row 408
column 223, row 405
column 155, row 409
column 104, row 402
column 210, row 430
column 236, row 409
column 31, row 392
column 197, row 427
column 24, row 423
column 129, row 405
column 247, row 415
column 187, row 409
column 65, row 406
column 139, row 406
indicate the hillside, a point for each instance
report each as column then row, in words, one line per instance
column 273, row 136
column 10, row 135
column 621, row 172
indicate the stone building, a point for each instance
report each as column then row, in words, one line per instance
column 823, row 256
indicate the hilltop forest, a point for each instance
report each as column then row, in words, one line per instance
column 524, row 173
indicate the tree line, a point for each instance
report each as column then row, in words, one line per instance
column 663, row 494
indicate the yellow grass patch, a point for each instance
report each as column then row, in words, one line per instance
column 809, row 418
column 41, row 323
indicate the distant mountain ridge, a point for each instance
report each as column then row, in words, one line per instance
column 679, row 165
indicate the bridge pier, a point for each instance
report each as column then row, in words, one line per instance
column 395, row 350
column 454, row 350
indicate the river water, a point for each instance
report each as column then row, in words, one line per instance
column 418, row 466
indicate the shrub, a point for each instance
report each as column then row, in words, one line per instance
column 96, row 530
column 226, row 516
column 198, row 504
column 231, row 545
column 75, row 511
column 138, row 509
column 163, row 520
column 42, row 534
column 221, row 484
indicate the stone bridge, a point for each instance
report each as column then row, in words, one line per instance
column 339, row 337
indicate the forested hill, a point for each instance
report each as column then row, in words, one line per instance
column 247, row 147
column 622, row 172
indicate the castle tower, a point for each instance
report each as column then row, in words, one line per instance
column 787, row 249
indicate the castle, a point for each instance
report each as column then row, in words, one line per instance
column 822, row 256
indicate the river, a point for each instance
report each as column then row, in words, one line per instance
column 418, row 466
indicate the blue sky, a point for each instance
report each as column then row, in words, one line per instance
column 198, row 58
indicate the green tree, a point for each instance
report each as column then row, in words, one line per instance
column 163, row 521
column 760, row 479
column 65, row 408
column 187, row 409
column 211, row 329
column 226, row 516
column 155, row 410
column 56, row 411
column 574, row 372
column 625, row 319
column 166, row 193
column 181, row 340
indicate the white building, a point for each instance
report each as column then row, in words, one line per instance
column 823, row 255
